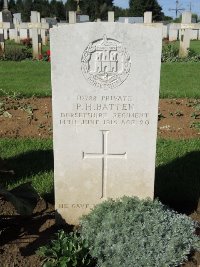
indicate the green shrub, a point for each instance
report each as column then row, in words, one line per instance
column 66, row 251
column 170, row 53
column 131, row 232
column 16, row 53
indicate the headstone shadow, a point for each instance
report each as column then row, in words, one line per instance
column 27, row 164
column 177, row 184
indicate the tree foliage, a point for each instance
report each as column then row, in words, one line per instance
column 52, row 8
column 121, row 12
column 138, row 7
column 94, row 8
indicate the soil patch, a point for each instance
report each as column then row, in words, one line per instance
column 32, row 117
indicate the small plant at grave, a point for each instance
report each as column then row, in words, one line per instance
column 195, row 115
column 27, row 42
column 179, row 113
column 41, row 126
column 46, row 56
column 170, row 53
column 197, row 106
column 195, row 125
column 16, row 53
column 133, row 232
column 171, row 114
column 3, row 111
column 66, row 250
column 160, row 116
column 11, row 95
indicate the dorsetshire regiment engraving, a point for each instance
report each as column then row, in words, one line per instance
column 105, row 81
column 106, row 63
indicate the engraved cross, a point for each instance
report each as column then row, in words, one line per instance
column 104, row 156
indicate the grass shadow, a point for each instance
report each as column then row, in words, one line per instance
column 177, row 184
column 28, row 164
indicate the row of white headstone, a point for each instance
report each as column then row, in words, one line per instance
column 38, row 30
column 185, row 32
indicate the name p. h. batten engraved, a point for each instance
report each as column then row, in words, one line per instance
column 105, row 63
column 104, row 156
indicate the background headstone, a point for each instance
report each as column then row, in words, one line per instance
column 17, row 18
column 35, row 34
column 131, row 20
column 185, row 34
column 185, row 43
column 72, row 17
column 111, row 16
column 186, row 17
column 2, row 44
column 148, row 17
column 82, row 18
column 105, row 81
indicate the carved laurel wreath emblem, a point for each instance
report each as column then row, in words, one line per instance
column 105, row 63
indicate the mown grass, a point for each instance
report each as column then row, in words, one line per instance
column 180, row 79
column 32, row 78
column 177, row 167
column 27, row 78
column 195, row 45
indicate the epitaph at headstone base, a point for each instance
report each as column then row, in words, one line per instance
column 105, row 79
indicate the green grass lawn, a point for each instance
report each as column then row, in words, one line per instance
column 32, row 78
column 177, row 167
column 28, row 78
column 180, row 79
column 195, row 45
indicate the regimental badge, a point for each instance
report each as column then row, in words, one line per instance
column 105, row 63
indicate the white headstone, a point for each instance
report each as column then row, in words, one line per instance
column 185, row 34
column 185, row 43
column 35, row 34
column 165, row 31
column 23, row 34
column 43, row 33
column 174, row 31
column 2, row 44
column 1, row 16
column 148, row 17
column 82, row 18
column 194, row 34
column 186, row 17
column 5, row 34
column 12, row 34
column 105, row 80
column 111, row 16
column 72, row 17
column 126, row 20
column 17, row 18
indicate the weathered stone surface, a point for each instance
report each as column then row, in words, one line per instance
column 105, row 80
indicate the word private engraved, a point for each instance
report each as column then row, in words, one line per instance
column 105, row 63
